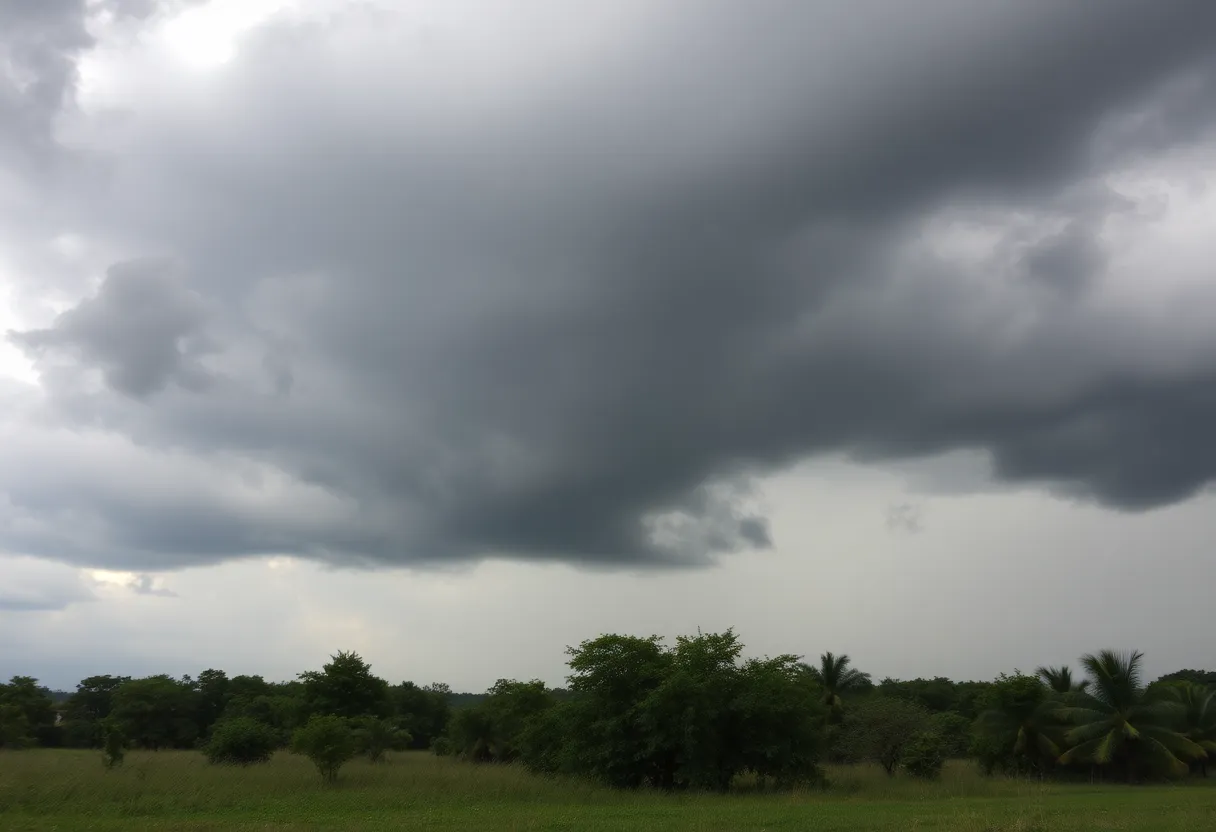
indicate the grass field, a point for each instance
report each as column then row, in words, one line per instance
column 68, row 790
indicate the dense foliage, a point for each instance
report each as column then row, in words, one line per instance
column 328, row 741
column 639, row 713
column 241, row 741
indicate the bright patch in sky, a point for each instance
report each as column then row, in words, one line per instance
column 206, row 37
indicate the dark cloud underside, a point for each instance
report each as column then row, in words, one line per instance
column 473, row 304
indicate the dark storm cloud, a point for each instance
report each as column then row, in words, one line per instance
column 138, row 330
column 567, row 314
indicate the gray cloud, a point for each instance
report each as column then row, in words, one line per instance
column 569, row 315
column 146, row 585
column 141, row 330
column 905, row 517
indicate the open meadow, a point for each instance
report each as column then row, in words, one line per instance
column 70, row 790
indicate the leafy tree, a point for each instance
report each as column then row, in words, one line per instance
column 423, row 711
column 611, row 677
column 1019, row 731
column 1118, row 726
column 328, row 741
column 113, row 742
column 15, row 728
column 1203, row 678
column 213, row 696
column 879, row 729
column 781, row 732
column 346, row 687
column 954, row 730
column 1060, row 680
column 30, row 713
column 924, row 755
column 241, row 741
column 374, row 737
column 836, row 680
column 281, row 713
column 84, row 710
column 493, row 730
column 156, row 712
column 936, row 695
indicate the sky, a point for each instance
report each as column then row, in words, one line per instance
column 455, row 334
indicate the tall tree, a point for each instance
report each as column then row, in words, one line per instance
column 346, row 687
column 837, row 679
column 1118, row 726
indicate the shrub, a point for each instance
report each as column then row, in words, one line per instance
column 442, row 747
column 328, row 741
column 113, row 743
column 240, row 741
column 924, row 756
column 373, row 737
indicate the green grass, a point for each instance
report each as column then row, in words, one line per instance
column 68, row 790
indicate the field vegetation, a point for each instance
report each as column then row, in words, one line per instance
column 645, row 735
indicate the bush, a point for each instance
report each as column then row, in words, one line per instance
column 374, row 737
column 442, row 747
column 328, row 741
column 924, row 756
column 113, row 743
column 240, row 741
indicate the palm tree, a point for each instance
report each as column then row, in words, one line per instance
column 1021, row 726
column 1198, row 719
column 1059, row 679
column 1117, row 724
column 836, row 678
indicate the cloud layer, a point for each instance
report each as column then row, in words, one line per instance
column 403, row 287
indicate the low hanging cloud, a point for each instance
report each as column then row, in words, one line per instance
column 560, row 286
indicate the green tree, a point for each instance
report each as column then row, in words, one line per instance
column 924, row 755
column 240, row 741
column 84, row 710
column 954, row 729
column 113, row 742
column 1203, row 678
column 15, row 728
column 1198, row 719
column 1019, row 730
column 879, row 728
column 781, row 728
column 423, row 711
column 494, row 729
column 328, row 741
column 610, row 678
column 156, row 712
column 212, row 686
column 1119, row 727
column 346, row 687
column 30, row 713
column 836, row 680
column 1060, row 680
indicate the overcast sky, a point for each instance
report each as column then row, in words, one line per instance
column 455, row 333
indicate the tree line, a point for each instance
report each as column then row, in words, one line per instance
column 637, row 712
